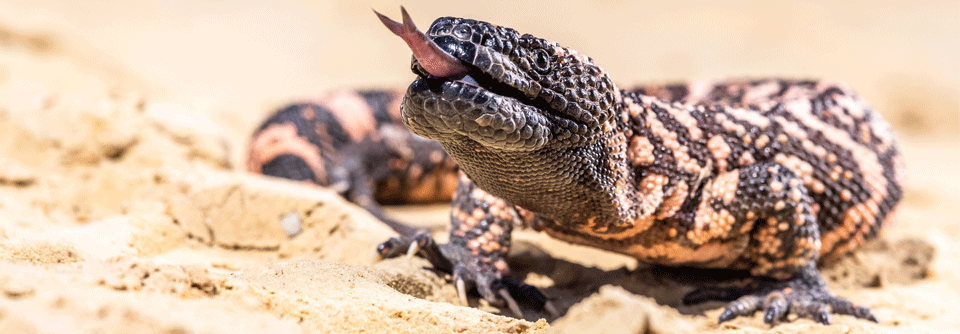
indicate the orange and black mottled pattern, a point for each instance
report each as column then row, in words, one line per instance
column 840, row 153
column 763, row 175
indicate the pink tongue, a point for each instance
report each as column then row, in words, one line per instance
column 434, row 60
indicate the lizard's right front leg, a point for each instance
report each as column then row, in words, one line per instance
column 476, row 252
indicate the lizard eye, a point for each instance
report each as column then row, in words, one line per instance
column 541, row 61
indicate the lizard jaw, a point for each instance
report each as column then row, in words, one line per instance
column 447, row 110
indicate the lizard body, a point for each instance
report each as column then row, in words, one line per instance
column 766, row 176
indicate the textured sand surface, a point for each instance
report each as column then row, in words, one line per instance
column 123, row 206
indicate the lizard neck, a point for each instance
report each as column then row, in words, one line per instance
column 590, row 186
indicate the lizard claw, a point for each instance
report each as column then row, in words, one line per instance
column 745, row 306
column 421, row 244
column 511, row 303
column 551, row 309
column 774, row 307
column 413, row 249
column 462, row 291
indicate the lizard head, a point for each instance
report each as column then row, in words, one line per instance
column 528, row 120
column 500, row 89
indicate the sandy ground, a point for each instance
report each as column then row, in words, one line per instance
column 123, row 209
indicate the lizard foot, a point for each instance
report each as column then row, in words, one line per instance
column 805, row 295
column 488, row 275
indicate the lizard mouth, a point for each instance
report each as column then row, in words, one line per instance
column 466, row 88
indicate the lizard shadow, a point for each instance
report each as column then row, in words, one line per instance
column 567, row 283
column 880, row 262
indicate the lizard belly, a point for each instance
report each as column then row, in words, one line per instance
column 654, row 245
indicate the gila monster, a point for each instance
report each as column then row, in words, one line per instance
column 767, row 177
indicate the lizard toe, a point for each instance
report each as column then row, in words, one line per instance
column 498, row 288
column 805, row 295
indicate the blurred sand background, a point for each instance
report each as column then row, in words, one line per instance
column 124, row 207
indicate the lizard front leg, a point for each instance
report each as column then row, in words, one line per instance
column 476, row 252
column 781, row 253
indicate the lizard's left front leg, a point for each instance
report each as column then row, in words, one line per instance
column 782, row 250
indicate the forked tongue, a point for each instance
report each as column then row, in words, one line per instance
column 433, row 59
